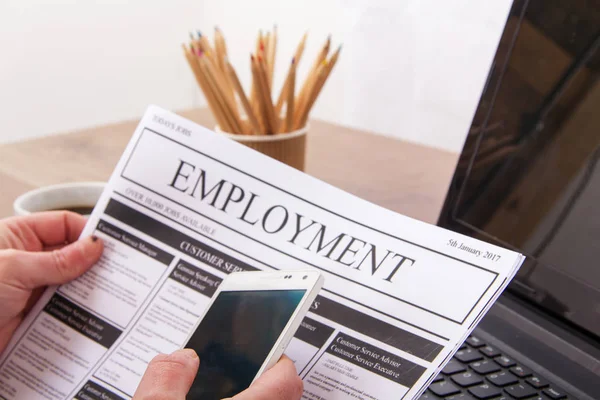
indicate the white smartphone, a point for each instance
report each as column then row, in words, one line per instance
column 246, row 328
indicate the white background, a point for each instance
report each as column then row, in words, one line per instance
column 413, row 69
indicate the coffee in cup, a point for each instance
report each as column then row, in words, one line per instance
column 79, row 197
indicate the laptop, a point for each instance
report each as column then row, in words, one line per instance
column 528, row 179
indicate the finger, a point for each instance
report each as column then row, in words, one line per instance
column 279, row 383
column 33, row 299
column 169, row 376
column 31, row 270
column 39, row 230
column 7, row 330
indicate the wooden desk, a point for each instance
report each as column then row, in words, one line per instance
column 408, row 178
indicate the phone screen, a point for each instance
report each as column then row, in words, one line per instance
column 235, row 337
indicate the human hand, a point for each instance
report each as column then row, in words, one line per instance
column 169, row 377
column 36, row 251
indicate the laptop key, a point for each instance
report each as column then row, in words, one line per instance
column 443, row 388
column 520, row 391
column 468, row 355
column 536, row 382
column 489, row 351
column 438, row 378
column 485, row 391
column 502, row 379
column 428, row 396
column 467, row 379
column 504, row 361
column 520, row 371
column 453, row 367
column 461, row 396
column 553, row 393
column 484, row 367
column 474, row 341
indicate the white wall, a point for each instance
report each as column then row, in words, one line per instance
column 71, row 64
column 412, row 69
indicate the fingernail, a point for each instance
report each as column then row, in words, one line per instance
column 184, row 355
column 94, row 238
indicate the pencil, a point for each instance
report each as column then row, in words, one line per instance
column 214, row 108
column 208, row 50
column 272, row 49
column 322, row 54
column 300, row 48
column 291, row 85
column 297, row 56
column 310, row 80
column 270, row 111
column 212, row 61
column 283, row 94
column 265, row 54
column 194, row 57
column 230, row 111
column 212, row 94
column 259, row 109
column 266, row 41
column 221, row 48
column 262, row 60
column 319, row 83
column 256, row 129
column 194, row 41
column 265, row 96
column 302, row 109
column 211, row 88
column 253, row 92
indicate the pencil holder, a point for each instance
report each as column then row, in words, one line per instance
column 289, row 148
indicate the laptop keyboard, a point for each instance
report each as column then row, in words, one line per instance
column 479, row 371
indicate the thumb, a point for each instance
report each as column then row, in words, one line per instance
column 35, row 269
column 279, row 383
column 169, row 377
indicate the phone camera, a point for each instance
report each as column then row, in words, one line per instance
column 305, row 276
column 287, row 277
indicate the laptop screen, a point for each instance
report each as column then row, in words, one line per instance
column 529, row 174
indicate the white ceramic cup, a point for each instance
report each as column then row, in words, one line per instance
column 59, row 197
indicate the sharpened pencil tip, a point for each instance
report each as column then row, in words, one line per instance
column 199, row 33
column 217, row 29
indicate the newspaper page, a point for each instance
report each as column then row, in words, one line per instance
column 184, row 208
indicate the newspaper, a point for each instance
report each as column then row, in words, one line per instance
column 184, row 208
